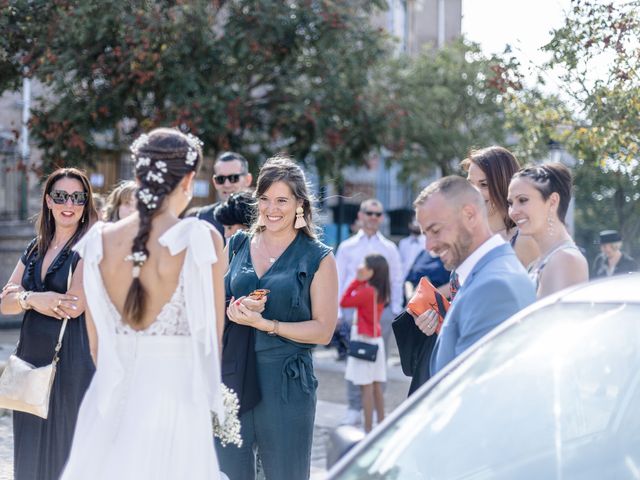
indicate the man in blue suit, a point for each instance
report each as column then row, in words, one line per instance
column 493, row 283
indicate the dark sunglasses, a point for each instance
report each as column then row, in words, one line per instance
column 234, row 178
column 60, row 197
column 373, row 214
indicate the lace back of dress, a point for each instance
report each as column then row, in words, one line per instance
column 172, row 319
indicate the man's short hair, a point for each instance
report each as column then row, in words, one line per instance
column 455, row 189
column 371, row 201
column 230, row 157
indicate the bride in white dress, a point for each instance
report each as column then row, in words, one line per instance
column 155, row 293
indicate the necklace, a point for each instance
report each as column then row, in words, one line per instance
column 55, row 247
column 272, row 258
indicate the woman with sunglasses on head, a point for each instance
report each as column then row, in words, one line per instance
column 282, row 287
column 155, row 295
column 490, row 170
column 538, row 202
column 38, row 287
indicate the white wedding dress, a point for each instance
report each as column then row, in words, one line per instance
column 146, row 414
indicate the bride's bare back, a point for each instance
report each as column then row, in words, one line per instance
column 159, row 275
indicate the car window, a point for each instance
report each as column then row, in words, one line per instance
column 554, row 396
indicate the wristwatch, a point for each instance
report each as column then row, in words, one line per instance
column 22, row 300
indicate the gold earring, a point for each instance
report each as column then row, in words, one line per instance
column 300, row 221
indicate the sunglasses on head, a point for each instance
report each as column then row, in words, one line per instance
column 373, row 214
column 60, row 197
column 234, row 178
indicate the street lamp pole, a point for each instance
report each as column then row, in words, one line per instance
column 441, row 23
column 24, row 147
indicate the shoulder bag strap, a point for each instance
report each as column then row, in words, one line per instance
column 64, row 322
column 375, row 310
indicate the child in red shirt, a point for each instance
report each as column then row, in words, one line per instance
column 368, row 294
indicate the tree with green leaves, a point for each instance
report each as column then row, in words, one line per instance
column 443, row 103
column 254, row 76
column 596, row 51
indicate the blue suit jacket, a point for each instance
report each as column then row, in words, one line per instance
column 496, row 288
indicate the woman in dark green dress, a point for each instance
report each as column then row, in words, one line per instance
column 283, row 255
column 38, row 286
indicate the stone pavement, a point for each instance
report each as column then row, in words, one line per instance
column 330, row 410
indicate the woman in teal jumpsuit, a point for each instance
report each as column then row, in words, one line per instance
column 281, row 254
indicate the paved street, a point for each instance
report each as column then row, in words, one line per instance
column 331, row 402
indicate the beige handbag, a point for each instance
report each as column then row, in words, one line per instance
column 26, row 388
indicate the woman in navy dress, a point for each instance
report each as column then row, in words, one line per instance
column 280, row 254
column 38, row 287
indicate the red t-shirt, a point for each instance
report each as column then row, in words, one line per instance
column 360, row 295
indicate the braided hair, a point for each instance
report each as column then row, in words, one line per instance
column 549, row 178
column 162, row 159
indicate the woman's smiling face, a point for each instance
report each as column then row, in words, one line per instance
column 277, row 206
column 527, row 208
column 66, row 214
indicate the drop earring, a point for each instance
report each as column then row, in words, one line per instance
column 550, row 226
column 300, row 221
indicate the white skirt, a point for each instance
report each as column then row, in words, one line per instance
column 153, row 428
column 362, row 372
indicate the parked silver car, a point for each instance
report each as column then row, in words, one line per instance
column 553, row 393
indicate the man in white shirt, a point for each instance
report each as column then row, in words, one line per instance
column 349, row 257
column 493, row 283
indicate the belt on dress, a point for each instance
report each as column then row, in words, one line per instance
column 295, row 368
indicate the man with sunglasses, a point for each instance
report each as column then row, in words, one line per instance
column 349, row 257
column 230, row 175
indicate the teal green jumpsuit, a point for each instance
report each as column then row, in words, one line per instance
column 281, row 424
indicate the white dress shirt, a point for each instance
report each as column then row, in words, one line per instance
column 409, row 248
column 350, row 256
column 465, row 267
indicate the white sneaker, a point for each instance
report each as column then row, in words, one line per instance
column 352, row 417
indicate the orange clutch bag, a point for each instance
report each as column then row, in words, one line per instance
column 428, row 297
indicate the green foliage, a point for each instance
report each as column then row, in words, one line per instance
column 443, row 103
column 537, row 120
column 597, row 50
column 21, row 24
column 608, row 197
column 254, row 76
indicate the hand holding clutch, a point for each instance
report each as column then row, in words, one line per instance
column 427, row 297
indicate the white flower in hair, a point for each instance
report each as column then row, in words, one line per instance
column 192, row 156
column 136, row 257
column 162, row 166
column 139, row 143
column 194, row 141
column 146, row 197
column 142, row 162
column 155, row 177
